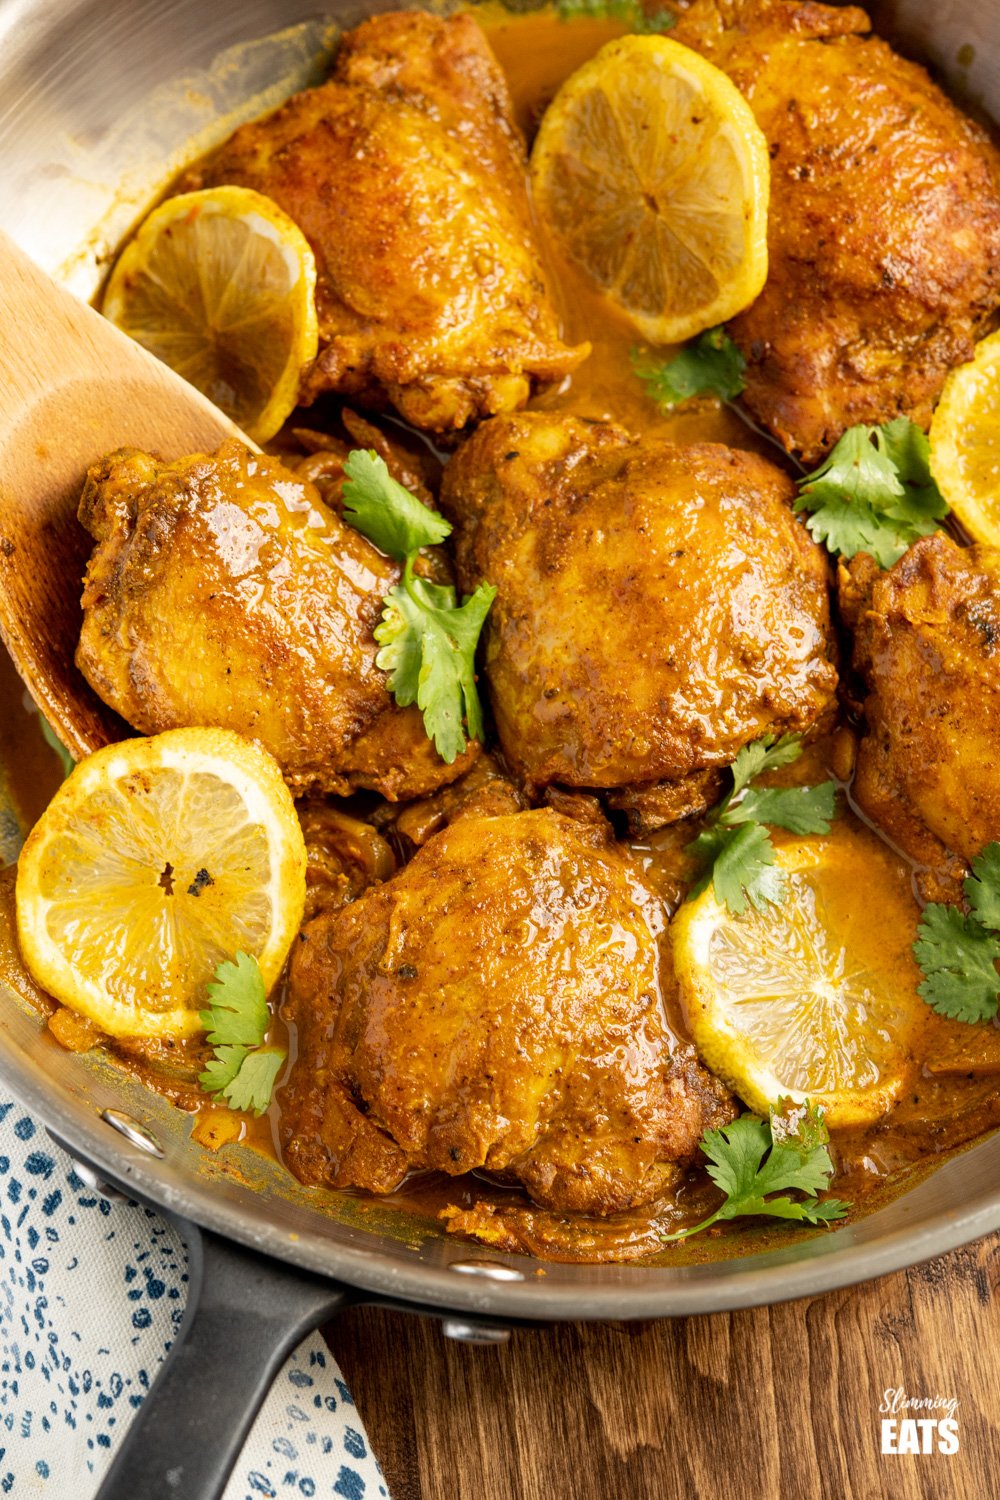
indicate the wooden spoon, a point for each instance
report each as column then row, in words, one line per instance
column 71, row 389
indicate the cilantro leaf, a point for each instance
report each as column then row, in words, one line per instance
column 400, row 636
column 791, row 1164
column 382, row 510
column 874, row 492
column 428, row 647
column 705, row 850
column 238, row 1012
column 847, row 527
column 242, row 1070
column 734, row 851
column 221, row 1069
column 907, row 447
column 982, row 889
column 958, row 958
column 711, row 364
column 800, row 809
column 824, row 1210
column 765, row 754
column 253, row 1084
column 810, row 1211
column 744, row 869
column 735, row 1153
column 753, row 1158
column 631, row 13
column 427, row 639
column 858, row 469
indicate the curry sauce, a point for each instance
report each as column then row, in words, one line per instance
column 953, row 1090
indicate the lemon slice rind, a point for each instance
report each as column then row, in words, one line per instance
column 775, row 1010
column 652, row 172
column 220, row 284
column 965, row 442
column 156, row 859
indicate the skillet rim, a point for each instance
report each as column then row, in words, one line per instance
column 389, row 1269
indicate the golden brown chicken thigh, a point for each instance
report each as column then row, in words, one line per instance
column 498, row 1004
column 223, row 591
column 884, row 221
column 658, row 607
column 407, row 175
column 927, row 643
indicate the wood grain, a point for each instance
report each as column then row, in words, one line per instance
column 71, row 389
column 774, row 1402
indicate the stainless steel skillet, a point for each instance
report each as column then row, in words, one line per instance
column 100, row 101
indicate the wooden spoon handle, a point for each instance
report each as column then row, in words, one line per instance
column 72, row 387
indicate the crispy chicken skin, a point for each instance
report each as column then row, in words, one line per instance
column 658, row 607
column 223, row 591
column 406, row 173
column 927, row 644
column 498, row 1004
column 884, row 222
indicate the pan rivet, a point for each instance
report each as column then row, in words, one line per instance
column 133, row 1132
column 487, row 1268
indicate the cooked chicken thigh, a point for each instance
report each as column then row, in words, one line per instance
column 927, row 643
column 224, row 592
column 884, row 222
column 498, row 1004
column 658, row 607
column 407, row 175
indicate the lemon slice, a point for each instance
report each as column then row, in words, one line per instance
column 816, row 998
column 965, row 442
column 652, row 173
column 155, row 860
column 220, row 285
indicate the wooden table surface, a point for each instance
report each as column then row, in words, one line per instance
column 762, row 1405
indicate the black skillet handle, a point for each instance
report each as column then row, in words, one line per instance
column 245, row 1313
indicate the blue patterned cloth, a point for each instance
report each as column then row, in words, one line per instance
column 92, row 1292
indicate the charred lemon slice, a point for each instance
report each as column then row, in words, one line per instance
column 816, row 998
column 652, row 174
column 156, row 859
column 220, row 285
column 965, row 442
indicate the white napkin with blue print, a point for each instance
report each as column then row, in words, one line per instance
column 92, row 1292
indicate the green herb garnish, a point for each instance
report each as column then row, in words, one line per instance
column 428, row 640
column 734, row 850
column 753, row 1158
column 959, row 954
column 243, row 1070
column 710, row 365
column 631, row 13
column 428, row 646
column 382, row 510
column 875, row 493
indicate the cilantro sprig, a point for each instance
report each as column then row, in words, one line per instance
column 874, row 493
column 428, row 643
column 710, row 365
column 751, row 1159
column 631, row 13
column 243, row 1070
column 958, row 953
column 734, row 851
column 428, row 639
